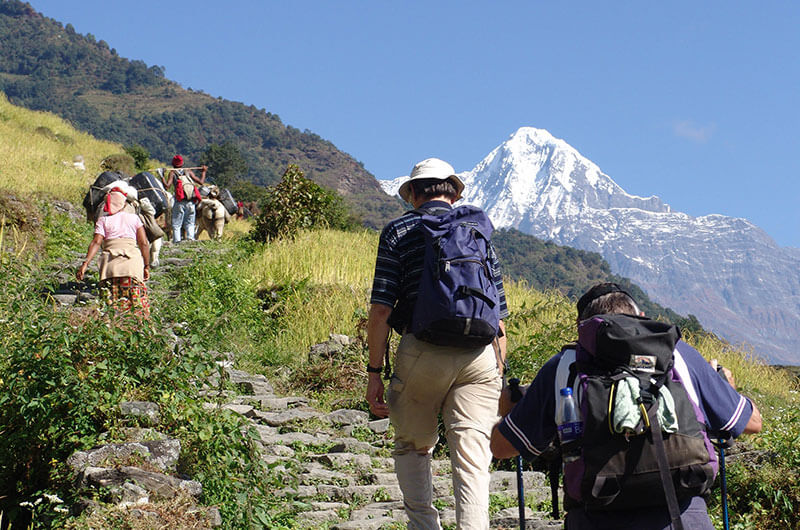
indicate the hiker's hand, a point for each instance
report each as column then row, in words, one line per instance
column 505, row 403
column 727, row 373
column 81, row 271
column 146, row 273
column 375, row 396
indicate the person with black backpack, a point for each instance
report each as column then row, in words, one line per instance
column 438, row 284
column 649, row 405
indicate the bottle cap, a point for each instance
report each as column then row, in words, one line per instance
column 566, row 391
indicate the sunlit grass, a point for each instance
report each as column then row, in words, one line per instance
column 37, row 150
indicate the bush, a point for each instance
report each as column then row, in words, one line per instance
column 121, row 163
column 140, row 155
column 297, row 203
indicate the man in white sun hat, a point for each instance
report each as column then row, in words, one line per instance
column 462, row 383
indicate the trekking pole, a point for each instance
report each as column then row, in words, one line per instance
column 516, row 395
column 724, row 483
column 721, row 444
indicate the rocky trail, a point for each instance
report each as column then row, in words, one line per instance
column 335, row 468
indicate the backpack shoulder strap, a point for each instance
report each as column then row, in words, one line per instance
column 568, row 355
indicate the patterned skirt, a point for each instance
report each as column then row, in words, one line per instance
column 127, row 294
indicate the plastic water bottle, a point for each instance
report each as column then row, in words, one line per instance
column 570, row 423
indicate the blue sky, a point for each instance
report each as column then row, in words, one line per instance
column 696, row 102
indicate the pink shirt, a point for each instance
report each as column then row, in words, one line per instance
column 119, row 225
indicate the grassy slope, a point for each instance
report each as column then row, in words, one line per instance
column 318, row 284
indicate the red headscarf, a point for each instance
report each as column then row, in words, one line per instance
column 115, row 201
column 177, row 161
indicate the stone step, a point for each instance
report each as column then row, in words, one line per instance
column 363, row 493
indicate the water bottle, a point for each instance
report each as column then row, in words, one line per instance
column 570, row 424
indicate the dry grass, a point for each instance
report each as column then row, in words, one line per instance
column 37, row 149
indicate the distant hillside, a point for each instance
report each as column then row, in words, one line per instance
column 47, row 66
column 548, row 266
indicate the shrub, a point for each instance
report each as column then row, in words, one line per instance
column 122, row 163
column 140, row 155
column 297, row 203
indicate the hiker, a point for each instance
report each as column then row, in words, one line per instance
column 125, row 259
column 461, row 383
column 530, row 427
column 186, row 194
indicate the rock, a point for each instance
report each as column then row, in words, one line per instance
column 348, row 417
column 317, row 517
column 293, row 437
column 141, row 409
column 162, row 454
column 323, row 476
column 249, row 384
column 279, row 450
column 349, row 493
column 129, row 495
column 339, row 460
column 351, row 445
column 245, row 410
column 365, row 524
column 342, row 340
column 158, row 485
column 65, row 299
column 379, row 426
column 277, row 419
column 276, row 404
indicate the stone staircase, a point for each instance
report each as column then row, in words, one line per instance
column 336, row 467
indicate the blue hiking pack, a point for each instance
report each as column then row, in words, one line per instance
column 457, row 302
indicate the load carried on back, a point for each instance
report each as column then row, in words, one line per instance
column 145, row 196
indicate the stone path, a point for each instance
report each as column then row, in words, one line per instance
column 335, row 466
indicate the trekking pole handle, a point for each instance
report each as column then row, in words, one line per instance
column 514, row 391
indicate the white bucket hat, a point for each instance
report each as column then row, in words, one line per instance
column 431, row 168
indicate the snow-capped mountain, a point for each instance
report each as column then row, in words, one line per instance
column 726, row 271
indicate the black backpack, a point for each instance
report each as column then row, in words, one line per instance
column 644, row 467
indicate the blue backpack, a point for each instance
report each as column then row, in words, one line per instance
column 457, row 303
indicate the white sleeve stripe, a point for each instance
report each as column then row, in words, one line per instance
column 519, row 434
column 736, row 415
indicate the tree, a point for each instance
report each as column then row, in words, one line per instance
column 225, row 163
column 297, row 203
column 139, row 154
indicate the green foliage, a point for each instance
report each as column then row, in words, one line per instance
column 140, row 155
column 121, row 163
column 297, row 203
column 245, row 191
column 62, row 377
column 225, row 163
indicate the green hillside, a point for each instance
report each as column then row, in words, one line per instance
column 545, row 265
column 45, row 65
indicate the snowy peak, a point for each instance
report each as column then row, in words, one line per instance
column 534, row 174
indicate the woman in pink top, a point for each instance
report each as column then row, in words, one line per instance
column 124, row 262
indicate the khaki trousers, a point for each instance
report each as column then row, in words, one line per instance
column 464, row 385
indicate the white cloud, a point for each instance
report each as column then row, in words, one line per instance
column 691, row 131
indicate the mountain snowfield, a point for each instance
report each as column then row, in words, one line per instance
column 726, row 271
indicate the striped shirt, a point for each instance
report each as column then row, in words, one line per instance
column 398, row 267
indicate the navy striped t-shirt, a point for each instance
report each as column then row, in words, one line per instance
column 398, row 267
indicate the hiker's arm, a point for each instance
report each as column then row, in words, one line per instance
column 754, row 422
column 377, row 334
column 500, row 446
column 144, row 248
column 94, row 246
column 501, row 341
column 168, row 182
